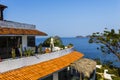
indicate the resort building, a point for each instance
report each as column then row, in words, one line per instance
column 17, row 37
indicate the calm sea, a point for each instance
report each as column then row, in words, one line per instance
column 89, row 50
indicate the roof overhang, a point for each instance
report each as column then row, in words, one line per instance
column 17, row 31
column 40, row 70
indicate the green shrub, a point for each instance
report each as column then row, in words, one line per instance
column 116, row 78
column 57, row 42
column 99, row 77
column 62, row 46
column 40, row 48
column 111, row 70
column 98, row 61
column 70, row 45
column 99, row 70
column 29, row 52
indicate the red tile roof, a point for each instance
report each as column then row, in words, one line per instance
column 17, row 31
column 36, row 71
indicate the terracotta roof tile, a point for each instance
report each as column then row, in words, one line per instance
column 17, row 31
column 42, row 69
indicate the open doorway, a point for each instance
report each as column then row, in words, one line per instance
column 6, row 45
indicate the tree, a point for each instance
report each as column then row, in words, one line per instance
column 57, row 42
column 109, row 41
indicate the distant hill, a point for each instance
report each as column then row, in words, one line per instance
column 88, row 36
column 79, row 36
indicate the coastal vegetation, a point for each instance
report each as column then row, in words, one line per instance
column 111, row 70
column 109, row 41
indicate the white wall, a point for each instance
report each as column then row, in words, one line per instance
column 24, row 42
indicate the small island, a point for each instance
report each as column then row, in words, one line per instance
column 88, row 36
column 80, row 37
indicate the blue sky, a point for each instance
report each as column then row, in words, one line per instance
column 65, row 18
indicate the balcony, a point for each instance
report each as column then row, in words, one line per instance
column 10, row 64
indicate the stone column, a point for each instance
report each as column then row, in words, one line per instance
column 55, row 76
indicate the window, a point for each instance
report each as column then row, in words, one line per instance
column 31, row 41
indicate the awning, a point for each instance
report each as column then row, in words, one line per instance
column 40, row 70
column 17, row 31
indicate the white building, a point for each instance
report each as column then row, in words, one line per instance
column 50, row 66
column 14, row 34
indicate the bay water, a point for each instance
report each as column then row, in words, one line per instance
column 89, row 50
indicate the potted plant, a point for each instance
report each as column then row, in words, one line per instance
column 13, row 53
